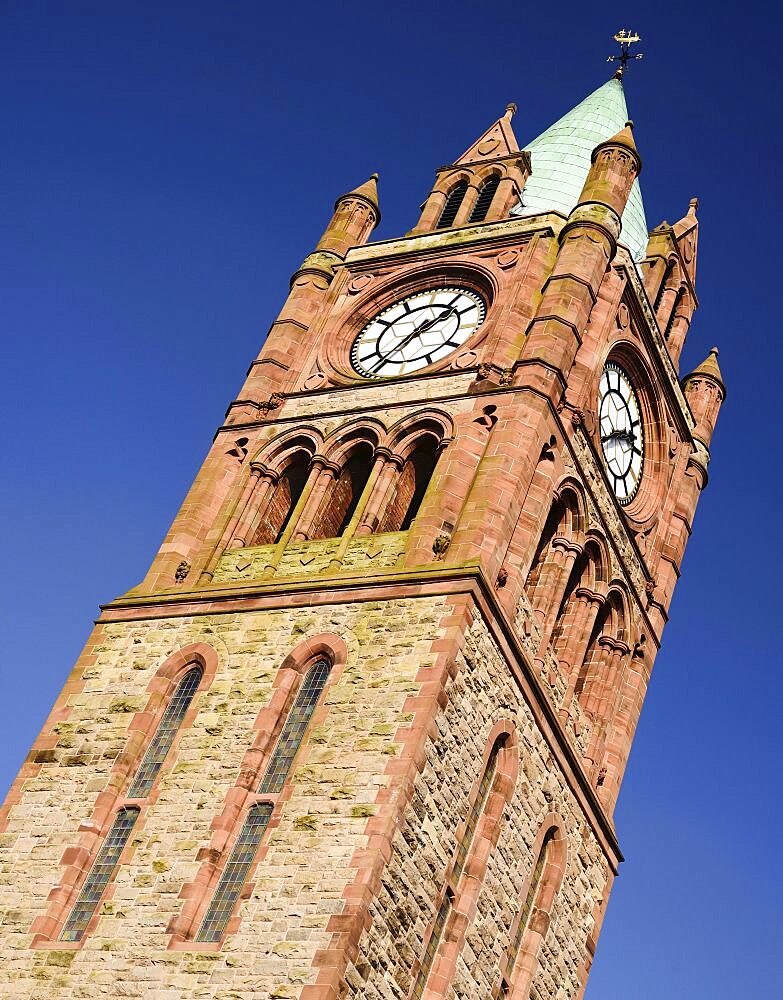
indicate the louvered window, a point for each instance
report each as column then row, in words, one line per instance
column 484, row 200
column 246, row 846
column 453, row 202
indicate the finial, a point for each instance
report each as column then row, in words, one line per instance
column 693, row 204
column 625, row 39
column 714, row 350
column 511, row 110
column 629, row 123
column 374, row 177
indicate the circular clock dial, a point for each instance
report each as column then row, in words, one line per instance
column 417, row 331
column 622, row 432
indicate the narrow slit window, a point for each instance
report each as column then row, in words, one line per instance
column 484, row 200
column 527, row 909
column 167, row 729
column 460, row 857
column 453, row 202
column 243, row 854
column 235, row 873
column 100, row 875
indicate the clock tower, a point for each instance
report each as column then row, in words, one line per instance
column 360, row 731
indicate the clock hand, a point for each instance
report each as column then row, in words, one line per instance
column 619, row 436
column 426, row 325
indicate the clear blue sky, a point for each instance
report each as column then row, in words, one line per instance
column 164, row 168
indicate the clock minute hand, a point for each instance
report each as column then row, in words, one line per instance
column 426, row 325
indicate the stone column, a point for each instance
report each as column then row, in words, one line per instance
column 322, row 477
column 578, row 638
column 388, row 466
column 257, row 489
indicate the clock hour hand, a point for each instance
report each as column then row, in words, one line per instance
column 426, row 325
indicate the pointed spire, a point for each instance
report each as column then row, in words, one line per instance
column 561, row 158
column 368, row 191
column 623, row 138
column 709, row 368
column 688, row 221
column 498, row 140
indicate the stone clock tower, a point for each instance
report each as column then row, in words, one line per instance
column 360, row 731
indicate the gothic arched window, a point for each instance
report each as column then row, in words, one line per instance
column 484, row 200
column 100, row 874
column 340, row 503
column 532, row 900
column 108, row 857
column 243, row 853
column 475, row 813
column 282, row 502
column 453, row 202
column 410, row 487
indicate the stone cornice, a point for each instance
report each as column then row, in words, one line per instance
column 420, row 582
column 496, row 234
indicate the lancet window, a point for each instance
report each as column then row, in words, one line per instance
column 460, row 858
column 452, row 206
column 243, row 854
column 341, row 501
column 410, row 487
column 108, row 858
column 282, row 502
column 484, row 200
column 539, row 887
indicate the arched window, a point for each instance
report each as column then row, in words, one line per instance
column 484, row 200
column 108, row 857
column 340, row 503
column 240, row 861
column 453, row 202
column 532, row 899
column 282, row 502
column 100, row 875
column 161, row 742
column 458, row 865
column 410, row 487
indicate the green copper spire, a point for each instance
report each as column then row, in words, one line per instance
column 561, row 158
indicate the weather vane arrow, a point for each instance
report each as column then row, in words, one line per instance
column 625, row 39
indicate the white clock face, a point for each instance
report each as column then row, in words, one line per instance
column 622, row 432
column 417, row 331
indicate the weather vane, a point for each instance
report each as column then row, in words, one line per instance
column 625, row 39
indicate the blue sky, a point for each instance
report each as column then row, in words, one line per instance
column 166, row 166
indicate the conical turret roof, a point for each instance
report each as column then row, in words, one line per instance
column 561, row 158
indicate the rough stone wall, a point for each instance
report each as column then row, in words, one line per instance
column 482, row 693
column 300, row 883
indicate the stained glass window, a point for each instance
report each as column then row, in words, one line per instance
column 294, row 729
column 460, row 857
column 164, row 735
column 100, row 875
column 243, row 854
column 235, row 873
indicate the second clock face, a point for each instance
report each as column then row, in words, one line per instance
column 417, row 331
column 622, row 432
